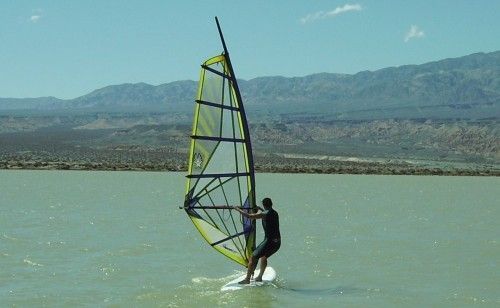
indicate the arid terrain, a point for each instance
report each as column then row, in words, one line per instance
column 111, row 142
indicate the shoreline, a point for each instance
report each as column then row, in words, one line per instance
column 367, row 168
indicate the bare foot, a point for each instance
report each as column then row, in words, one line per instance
column 244, row 281
column 258, row 279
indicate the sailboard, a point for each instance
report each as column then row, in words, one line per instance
column 220, row 167
column 267, row 279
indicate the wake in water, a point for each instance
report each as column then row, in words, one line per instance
column 206, row 280
column 336, row 291
column 333, row 291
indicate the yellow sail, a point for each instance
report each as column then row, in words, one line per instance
column 220, row 172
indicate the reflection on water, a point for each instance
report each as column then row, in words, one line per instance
column 341, row 290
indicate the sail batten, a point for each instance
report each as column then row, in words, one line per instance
column 218, row 138
column 208, row 68
column 217, row 105
column 220, row 173
column 217, row 175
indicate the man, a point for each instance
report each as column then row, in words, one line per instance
column 271, row 242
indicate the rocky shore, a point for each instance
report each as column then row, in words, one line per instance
column 264, row 164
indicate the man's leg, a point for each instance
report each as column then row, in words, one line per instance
column 251, row 267
column 263, row 265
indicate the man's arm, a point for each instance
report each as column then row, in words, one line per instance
column 259, row 215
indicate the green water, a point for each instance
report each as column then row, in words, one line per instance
column 118, row 239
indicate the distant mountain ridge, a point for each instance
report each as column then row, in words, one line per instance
column 30, row 103
column 469, row 84
column 138, row 94
column 471, row 79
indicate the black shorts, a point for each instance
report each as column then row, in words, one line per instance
column 267, row 248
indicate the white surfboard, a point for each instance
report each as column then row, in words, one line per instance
column 268, row 277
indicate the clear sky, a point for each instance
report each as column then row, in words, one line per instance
column 69, row 48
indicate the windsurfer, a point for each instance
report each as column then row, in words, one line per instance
column 271, row 242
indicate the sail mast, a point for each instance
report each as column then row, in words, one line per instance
column 246, row 131
column 222, row 39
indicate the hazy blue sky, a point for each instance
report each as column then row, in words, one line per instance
column 69, row 48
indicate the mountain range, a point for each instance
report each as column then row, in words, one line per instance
column 467, row 88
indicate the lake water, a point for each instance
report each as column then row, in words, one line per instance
column 118, row 239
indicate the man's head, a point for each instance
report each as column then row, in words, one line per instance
column 267, row 203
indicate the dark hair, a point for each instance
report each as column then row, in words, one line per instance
column 267, row 202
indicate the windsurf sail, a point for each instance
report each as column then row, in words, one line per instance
column 220, row 167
